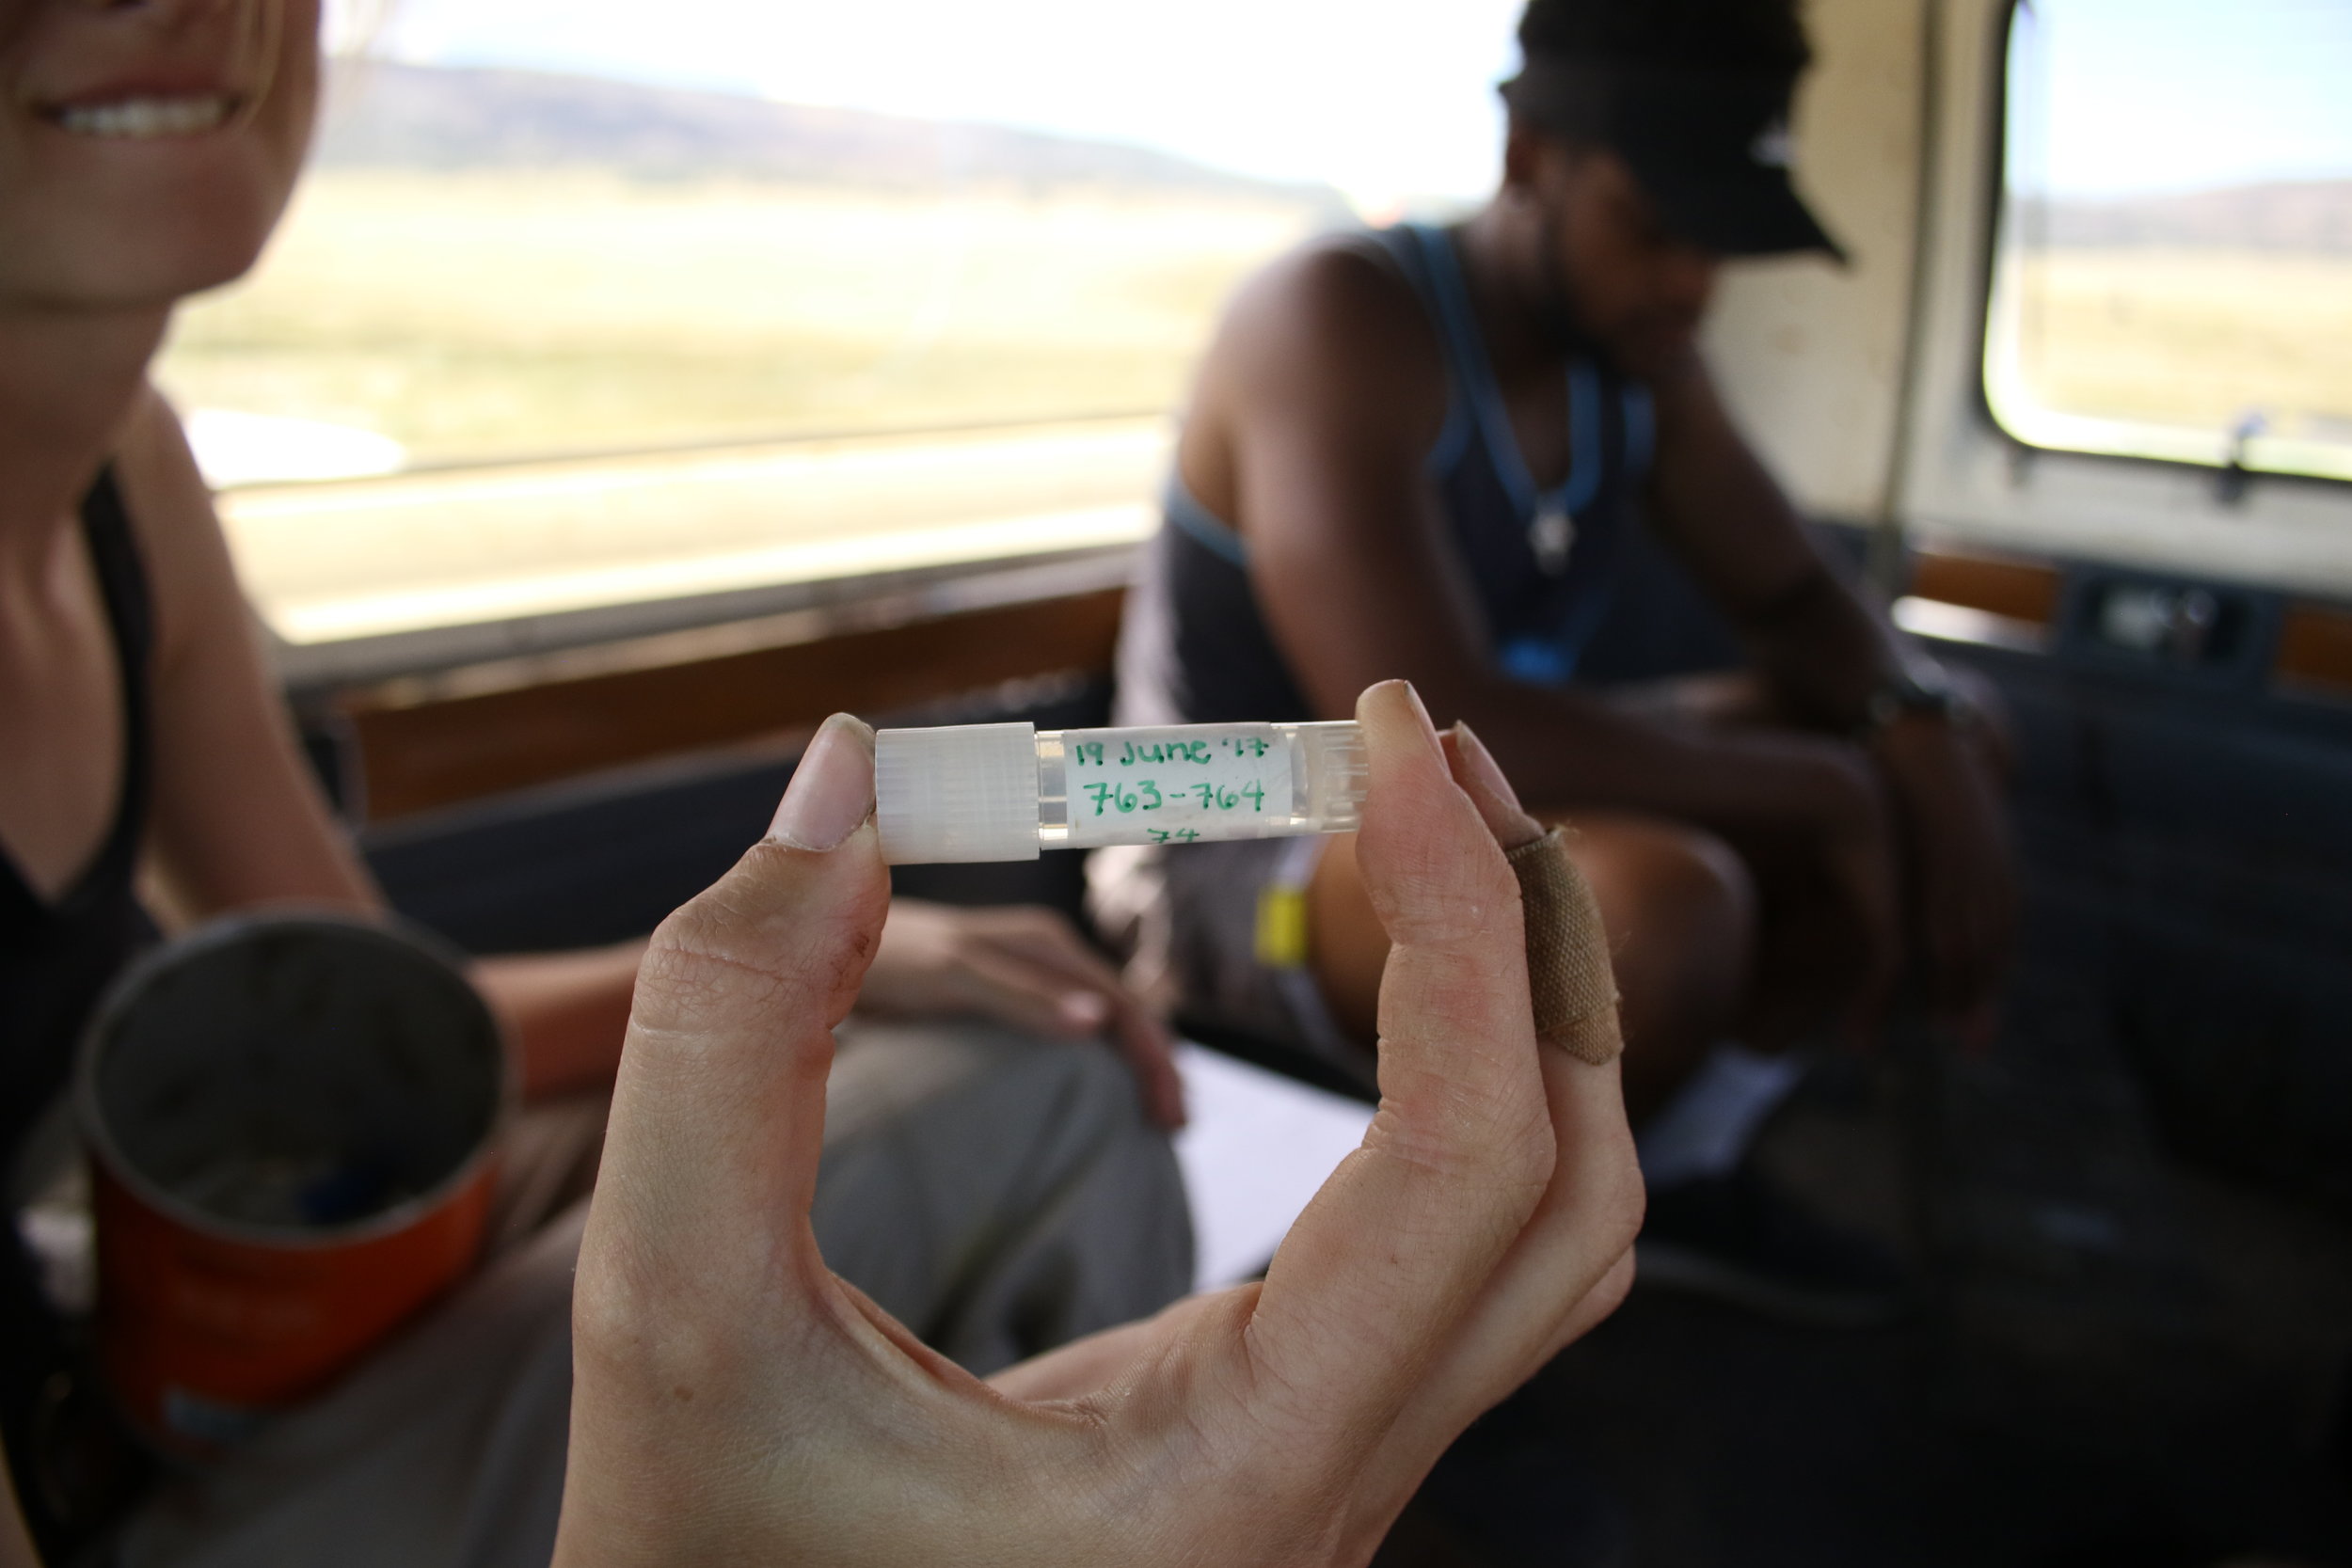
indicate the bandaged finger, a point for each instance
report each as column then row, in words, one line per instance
column 1568, row 976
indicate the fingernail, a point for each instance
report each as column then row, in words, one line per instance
column 1491, row 791
column 1428, row 726
column 1084, row 1009
column 1482, row 762
column 832, row 790
column 1412, row 700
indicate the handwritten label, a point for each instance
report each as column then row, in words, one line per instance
column 1184, row 785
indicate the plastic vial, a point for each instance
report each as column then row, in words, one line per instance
column 1002, row 792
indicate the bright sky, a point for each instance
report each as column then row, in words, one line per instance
column 1393, row 98
column 2161, row 95
column 1381, row 98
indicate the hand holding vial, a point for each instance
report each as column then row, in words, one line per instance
column 733, row 1401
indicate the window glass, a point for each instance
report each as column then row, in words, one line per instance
column 621, row 304
column 540, row 227
column 2175, row 274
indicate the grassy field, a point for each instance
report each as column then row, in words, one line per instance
column 2193, row 338
column 477, row 315
column 474, row 315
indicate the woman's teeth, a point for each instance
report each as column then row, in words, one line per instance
column 144, row 118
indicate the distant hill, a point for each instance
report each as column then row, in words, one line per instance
column 2310, row 215
column 387, row 115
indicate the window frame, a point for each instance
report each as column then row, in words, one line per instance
column 2329, row 464
column 562, row 644
column 1966, row 482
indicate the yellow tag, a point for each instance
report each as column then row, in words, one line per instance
column 1282, row 928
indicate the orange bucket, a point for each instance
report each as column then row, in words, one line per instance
column 291, row 1121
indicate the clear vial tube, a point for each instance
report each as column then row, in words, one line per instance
column 1002, row 792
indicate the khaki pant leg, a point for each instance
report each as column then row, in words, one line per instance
column 998, row 1194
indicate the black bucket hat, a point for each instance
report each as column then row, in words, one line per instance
column 1710, row 147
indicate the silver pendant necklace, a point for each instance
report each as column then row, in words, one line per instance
column 1551, row 535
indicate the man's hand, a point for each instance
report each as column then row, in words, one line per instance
column 735, row 1402
column 1963, row 887
column 1026, row 967
column 1851, row 834
column 16, row 1541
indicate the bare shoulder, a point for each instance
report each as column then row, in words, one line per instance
column 189, row 573
column 1332, row 322
column 1687, row 386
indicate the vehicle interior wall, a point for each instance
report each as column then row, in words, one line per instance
column 1811, row 354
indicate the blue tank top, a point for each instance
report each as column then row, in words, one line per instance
column 1542, row 564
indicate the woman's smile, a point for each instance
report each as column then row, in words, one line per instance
column 144, row 117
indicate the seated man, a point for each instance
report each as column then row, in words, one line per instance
column 997, row 1192
column 1417, row 453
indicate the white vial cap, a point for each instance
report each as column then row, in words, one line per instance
column 964, row 792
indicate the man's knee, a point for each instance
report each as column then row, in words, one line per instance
column 1669, row 884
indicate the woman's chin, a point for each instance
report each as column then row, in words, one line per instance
column 199, row 269
column 108, row 262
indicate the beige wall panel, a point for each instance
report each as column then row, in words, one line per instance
column 1811, row 355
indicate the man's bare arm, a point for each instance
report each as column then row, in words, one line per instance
column 1819, row 645
column 1825, row 651
column 16, row 1541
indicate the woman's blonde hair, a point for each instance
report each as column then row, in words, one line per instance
column 351, row 28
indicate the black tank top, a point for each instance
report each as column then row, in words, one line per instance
column 55, row 958
column 1195, row 648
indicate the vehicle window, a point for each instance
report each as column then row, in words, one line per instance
column 544, row 229
column 2175, row 274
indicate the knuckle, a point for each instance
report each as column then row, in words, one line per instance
column 1460, row 1128
column 624, row 1311
column 689, row 964
column 1622, row 1206
column 714, row 950
column 1614, row 1287
column 619, row 1339
column 611, row 1303
column 1442, row 906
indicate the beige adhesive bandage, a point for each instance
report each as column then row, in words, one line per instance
column 1567, row 952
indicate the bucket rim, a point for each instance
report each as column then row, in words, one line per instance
column 388, row 929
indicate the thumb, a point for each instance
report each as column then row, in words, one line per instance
column 718, row 1115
